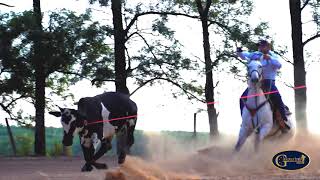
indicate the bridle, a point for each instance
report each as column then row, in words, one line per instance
column 255, row 70
column 253, row 111
column 259, row 74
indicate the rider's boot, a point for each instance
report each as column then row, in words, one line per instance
column 287, row 110
column 286, row 123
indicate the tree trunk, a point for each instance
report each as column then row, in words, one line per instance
column 299, row 65
column 209, row 88
column 40, row 143
column 119, row 48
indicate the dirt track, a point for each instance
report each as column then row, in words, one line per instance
column 216, row 162
column 35, row 168
column 69, row 168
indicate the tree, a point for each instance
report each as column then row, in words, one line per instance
column 226, row 19
column 119, row 47
column 38, row 63
column 4, row 4
column 298, row 45
column 154, row 61
column 15, row 73
column 73, row 46
column 209, row 87
column 151, row 65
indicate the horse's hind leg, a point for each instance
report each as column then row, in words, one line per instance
column 243, row 135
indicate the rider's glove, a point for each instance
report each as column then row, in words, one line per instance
column 255, row 56
column 239, row 49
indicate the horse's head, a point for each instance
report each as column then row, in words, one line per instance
column 72, row 122
column 254, row 71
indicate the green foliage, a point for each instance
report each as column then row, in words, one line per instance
column 24, row 141
column 73, row 47
column 101, row 2
column 161, row 61
column 80, row 50
column 56, row 150
column 228, row 28
column 25, row 144
column 160, row 26
column 16, row 70
column 315, row 6
column 199, row 90
column 24, row 138
column 160, row 56
column 315, row 11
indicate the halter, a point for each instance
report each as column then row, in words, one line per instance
column 255, row 71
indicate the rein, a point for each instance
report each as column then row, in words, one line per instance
column 253, row 111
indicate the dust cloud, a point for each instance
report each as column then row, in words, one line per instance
column 171, row 159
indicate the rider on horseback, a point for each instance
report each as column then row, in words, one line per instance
column 270, row 65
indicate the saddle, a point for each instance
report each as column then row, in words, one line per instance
column 277, row 118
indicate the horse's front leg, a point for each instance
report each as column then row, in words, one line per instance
column 263, row 132
column 257, row 143
column 243, row 135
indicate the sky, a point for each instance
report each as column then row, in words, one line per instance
column 158, row 110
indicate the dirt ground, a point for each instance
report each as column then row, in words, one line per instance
column 32, row 168
column 213, row 162
column 41, row 168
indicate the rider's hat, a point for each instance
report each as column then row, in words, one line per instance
column 262, row 42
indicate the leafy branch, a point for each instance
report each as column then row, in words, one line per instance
column 189, row 94
column 3, row 4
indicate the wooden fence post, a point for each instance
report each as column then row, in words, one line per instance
column 194, row 124
column 13, row 144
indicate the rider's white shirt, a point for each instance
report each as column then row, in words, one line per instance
column 270, row 67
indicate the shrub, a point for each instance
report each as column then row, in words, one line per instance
column 56, row 150
column 24, row 144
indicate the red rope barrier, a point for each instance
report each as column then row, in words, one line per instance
column 133, row 116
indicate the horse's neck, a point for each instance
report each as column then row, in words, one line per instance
column 257, row 94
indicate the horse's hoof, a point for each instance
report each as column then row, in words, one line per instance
column 235, row 151
column 108, row 146
column 121, row 161
column 285, row 130
column 86, row 168
column 121, row 158
column 100, row 165
column 129, row 152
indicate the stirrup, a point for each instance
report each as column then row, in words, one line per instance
column 286, row 125
column 287, row 110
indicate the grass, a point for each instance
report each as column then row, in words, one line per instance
column 24, row 139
